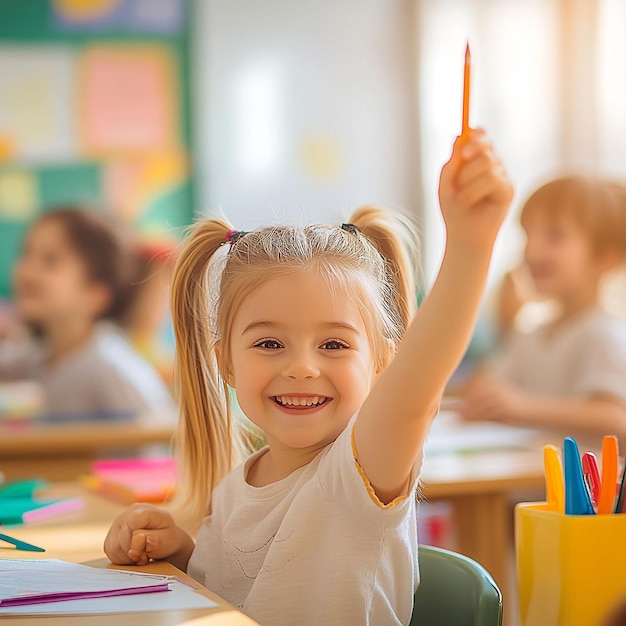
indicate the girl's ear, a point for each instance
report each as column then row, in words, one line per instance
column 390, row 352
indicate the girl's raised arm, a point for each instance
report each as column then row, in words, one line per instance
column 474, row 193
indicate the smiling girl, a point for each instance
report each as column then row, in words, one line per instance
column 314, row 329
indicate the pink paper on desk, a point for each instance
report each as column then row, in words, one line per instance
column 135, row 480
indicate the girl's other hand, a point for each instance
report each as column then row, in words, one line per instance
column 474, row 192
column 144, row 533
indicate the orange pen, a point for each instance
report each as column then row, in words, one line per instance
column 465, row 129
column 610, row 454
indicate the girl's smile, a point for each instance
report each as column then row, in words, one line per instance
column 301, row 403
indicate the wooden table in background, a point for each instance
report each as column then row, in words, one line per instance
column 78, row 538
column 482, row 486
column 62, row 452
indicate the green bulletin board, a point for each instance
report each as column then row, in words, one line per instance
column 94, row 107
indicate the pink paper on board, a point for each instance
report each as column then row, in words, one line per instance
column 128, row 99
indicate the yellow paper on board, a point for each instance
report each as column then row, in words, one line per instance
column 19, row 195
column 320, row 157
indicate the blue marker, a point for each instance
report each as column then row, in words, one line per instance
column 577, row 498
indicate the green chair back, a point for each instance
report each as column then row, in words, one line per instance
column 454, row 590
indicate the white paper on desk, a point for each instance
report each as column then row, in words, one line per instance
column 36, row 580
column 180, row 597
column 449, row 435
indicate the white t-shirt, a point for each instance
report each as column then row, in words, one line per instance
column 104, row 376
column 584, row 355
column 314, row 548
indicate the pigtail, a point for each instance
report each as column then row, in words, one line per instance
column 208, row 444
column 395, row 238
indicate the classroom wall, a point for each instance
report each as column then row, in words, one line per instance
column 305, row 109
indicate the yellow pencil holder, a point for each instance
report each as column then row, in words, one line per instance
column 570, row 568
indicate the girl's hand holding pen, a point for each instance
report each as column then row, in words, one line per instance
column 144, row 533
column 474, row 192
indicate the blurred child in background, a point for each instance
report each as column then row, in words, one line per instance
column 570, row 373
column 73, row 281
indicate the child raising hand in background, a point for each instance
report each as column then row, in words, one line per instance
column 569, row 374
column 314, row 329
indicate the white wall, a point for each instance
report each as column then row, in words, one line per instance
column 304, row 108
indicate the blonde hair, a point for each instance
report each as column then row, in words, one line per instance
column 598, row 206
column 374, row 263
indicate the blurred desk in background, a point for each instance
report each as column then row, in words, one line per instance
column 59, row 452
column 482, row 469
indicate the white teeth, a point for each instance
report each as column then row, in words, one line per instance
column 296, row 401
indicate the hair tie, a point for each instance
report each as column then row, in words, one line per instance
column 350, row 228
column 232, row 236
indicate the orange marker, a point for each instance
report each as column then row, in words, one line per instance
column 610, row 453
column 465, row 129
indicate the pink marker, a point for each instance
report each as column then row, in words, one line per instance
column 68, row 505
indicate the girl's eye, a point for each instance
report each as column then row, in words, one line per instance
column 268, row 344
column 334, row 344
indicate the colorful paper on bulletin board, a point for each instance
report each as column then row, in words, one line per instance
column 132, row 185
column 128, row 100
column 37, row 112
column 165, row 214
column 163, row 17
column 19, row 195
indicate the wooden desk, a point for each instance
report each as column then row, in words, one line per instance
column 79, row 538
column 64, row 451
column 482, row 487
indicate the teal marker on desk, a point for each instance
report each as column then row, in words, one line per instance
column 577, row 498
column 20, row 545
